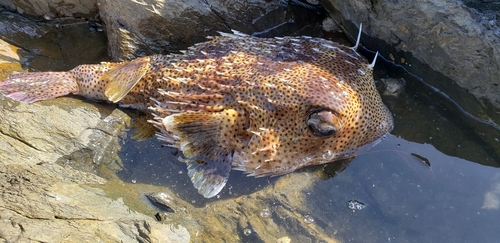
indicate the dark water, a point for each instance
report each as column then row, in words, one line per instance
column 455, row 199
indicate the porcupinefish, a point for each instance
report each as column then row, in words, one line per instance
column 265, row 106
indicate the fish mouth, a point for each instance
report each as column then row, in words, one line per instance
column 248, row 165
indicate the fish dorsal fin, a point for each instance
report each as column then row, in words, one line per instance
column 235, row 34
column 123, row 78
column 204, row 138
column 372, row 65
column 355, row 47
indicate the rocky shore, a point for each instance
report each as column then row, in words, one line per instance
column 58, row 159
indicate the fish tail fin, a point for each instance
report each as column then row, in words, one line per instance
column 36, row 86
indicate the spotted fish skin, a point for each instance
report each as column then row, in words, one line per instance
column 265, row 106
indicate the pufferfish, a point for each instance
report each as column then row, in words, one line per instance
column 265, row 106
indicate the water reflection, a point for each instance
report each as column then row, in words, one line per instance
column 454, row 200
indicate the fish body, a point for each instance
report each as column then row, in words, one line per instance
column 265, row 106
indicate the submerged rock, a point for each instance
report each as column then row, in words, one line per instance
column 49, row 9
column 49, row 154
column 279, row 211
column 54, row 45
column 44, row 198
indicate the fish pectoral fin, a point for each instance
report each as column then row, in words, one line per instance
column 205, row 140
column 123, row 78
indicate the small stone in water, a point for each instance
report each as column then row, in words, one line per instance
column 308, row 219
column 356, row 205
column 247, row 231
column 265, row 213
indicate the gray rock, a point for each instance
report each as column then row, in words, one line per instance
column 273, row 214
column 49, row 192
column 44, row 198
column 392, row 87
column 50, row 9
column 52, row 45
column 135, row 29
column 444, row 34
column 165, row 26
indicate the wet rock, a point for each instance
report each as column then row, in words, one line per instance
column 278, row 213
column 330, row 25
column 450, row 38
column 49, row 9
column 135, row 29
column 10, row 61
column 161, row 201
column 44, row 198
column 492, row 197
column 52, row 45
column 49, row 191
column 392, row 87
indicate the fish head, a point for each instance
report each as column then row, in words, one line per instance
column 312, row 112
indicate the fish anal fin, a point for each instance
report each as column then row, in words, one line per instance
column 207, row 141
column 36, row 86
column 123, row 78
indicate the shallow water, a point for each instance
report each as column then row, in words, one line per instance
column 452, row 200
column 455, row 199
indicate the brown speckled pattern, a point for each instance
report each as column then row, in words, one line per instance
column 245, row 101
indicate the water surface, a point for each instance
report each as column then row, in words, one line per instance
column 448, row 191
column 435, row 178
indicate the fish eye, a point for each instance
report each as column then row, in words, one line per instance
column 321, row 123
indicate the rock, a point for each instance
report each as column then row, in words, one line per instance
column 49, row 9
column 444, row 34
column 43, row 193
column 10, row 61
column 52, row 45
column 277, row 213
column 330, row 25
column 44, row 198
column 49, row 203
column 134, row 29
column 165, row 26
column 492, row 197
column 49, row 192
column 392, row 87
